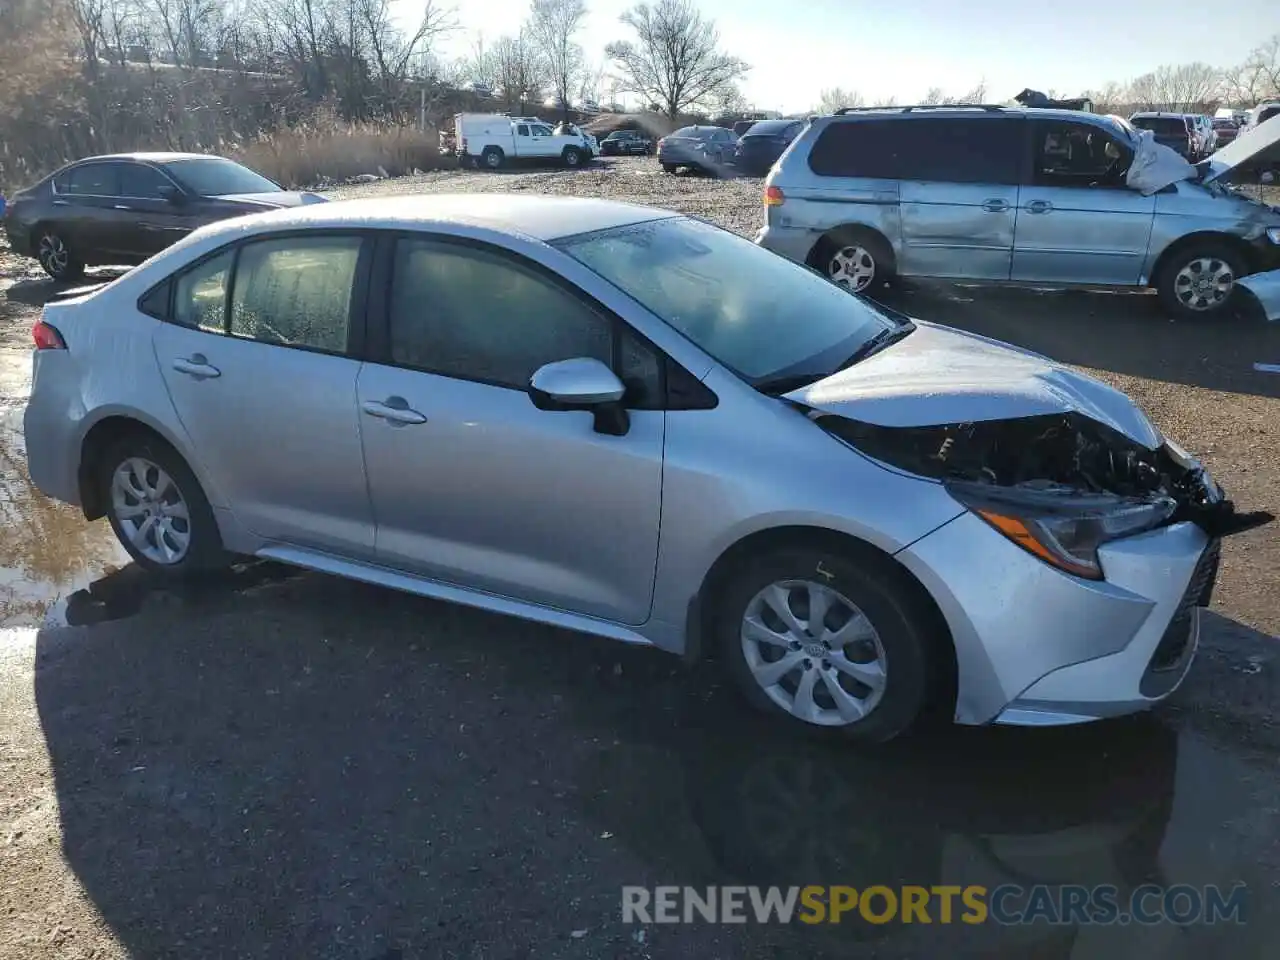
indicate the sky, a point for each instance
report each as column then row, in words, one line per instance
column 901, row 48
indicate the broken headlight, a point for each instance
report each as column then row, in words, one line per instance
column 1059, row 525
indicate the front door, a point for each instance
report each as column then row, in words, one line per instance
column 156, row 221
column 958, row 195
column 1077, row 221
column 471, row 483
column 265, row 388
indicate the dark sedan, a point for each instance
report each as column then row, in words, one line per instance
column 708, row 149
column 1226, row 131
column 623, row 143
column 122, row 209
column 762, row 145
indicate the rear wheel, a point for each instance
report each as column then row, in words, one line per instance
column 56, row 256
column 157, row 509
column 1197, row 282
column 828, row 642
column 859, row 260
column 492, row 158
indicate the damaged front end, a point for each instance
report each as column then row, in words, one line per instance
column 1058, row 485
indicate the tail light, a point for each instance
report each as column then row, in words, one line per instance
column 773, row 197
column 462, row 145
column 47, row 337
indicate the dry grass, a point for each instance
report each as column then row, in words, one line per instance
column 315, row 154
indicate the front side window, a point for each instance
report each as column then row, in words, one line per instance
column 296, row 291
column 138, row 181
column 1076, row 154
column 757, row 313
column 540, row 131
column 478, row 314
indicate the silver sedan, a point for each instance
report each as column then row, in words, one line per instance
column 621, row 421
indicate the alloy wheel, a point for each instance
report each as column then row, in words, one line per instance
column 853, row 267
column 150, row 510
column 52, row 254
column 1204, row 283
column 814, row 652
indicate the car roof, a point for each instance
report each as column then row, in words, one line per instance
column 155, row 157
column 764, row 126
column 543, row 218
column 1161, row 113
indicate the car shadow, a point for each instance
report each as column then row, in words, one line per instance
column 38, row 291
column 321, row 768
column 1122, row 332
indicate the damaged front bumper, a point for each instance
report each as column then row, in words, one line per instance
column 1265, row 289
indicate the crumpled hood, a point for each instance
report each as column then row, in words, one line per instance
column 1256, row 148
column 939, row 375
column 283, row 198
column 1156, row 165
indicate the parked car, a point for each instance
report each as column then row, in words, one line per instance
column 629, row 422
column 626, row 143
column 760, row 147
column 123, row 208
column 742, row 126
column 1207, row 137
column 491, row 140
column 1261, row 114
column 1173, row 130
column 708, row 149
column 1225, row 130
column 1014, row 194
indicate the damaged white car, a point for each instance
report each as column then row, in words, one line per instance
column 616, row 420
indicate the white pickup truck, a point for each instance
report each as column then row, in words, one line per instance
column 492, row 139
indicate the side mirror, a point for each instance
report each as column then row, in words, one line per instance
column 582, row 383
column 173, row 195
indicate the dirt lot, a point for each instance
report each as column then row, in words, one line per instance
column 279, row 764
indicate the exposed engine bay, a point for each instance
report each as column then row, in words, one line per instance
column 1065, row 453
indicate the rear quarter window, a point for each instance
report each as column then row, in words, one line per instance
column 954, row 149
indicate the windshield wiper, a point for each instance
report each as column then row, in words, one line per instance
column 777, row 386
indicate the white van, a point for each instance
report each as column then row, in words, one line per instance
column 492, row 139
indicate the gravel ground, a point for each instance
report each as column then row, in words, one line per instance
column 278, row 764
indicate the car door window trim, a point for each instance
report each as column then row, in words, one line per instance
column 59, row 192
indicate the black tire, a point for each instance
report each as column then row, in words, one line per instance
column 57, row 255
column 1176, row 289
column 572, row 157
column 905, row 630
column 844, row 243
column 205, row 552
column 668, row 168
column 492, row 158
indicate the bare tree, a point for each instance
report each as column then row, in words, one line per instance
column 553, row 25
column 1110, row 98
column 481, row 66
column 675, row 60
column 829, row 101
column 934, row 95
column 728, row 101
column 976, row 95
column 1258, row 78
column 1188, row 86
column 520, row 70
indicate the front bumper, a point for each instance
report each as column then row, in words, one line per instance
column 1035, row 646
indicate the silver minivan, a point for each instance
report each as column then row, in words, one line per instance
column 1019, row 195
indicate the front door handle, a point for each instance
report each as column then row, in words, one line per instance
column 394, row 410
column 122, row 206
column 995, row 206
column 196, row 366
column 1039, row 206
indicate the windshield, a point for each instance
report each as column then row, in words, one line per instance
column 215, row 177
column 757, row 313
column 769, row 128
column 1162, row 126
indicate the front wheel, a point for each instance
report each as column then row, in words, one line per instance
column 572, row 157
column 1197, row 283
column 56, row 256
column 157, row 509
column 828, row 642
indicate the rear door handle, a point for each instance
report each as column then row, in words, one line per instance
column 1039, row 206
column 196, row 366
column 394, row 410
column 995, row 206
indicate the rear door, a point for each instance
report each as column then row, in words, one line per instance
column 260, row 360
column 90, row 214
column 959, row 194
column 1077, row 221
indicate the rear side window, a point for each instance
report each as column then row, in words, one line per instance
column 946, row 149
column 296, row 291
column 91, row 180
